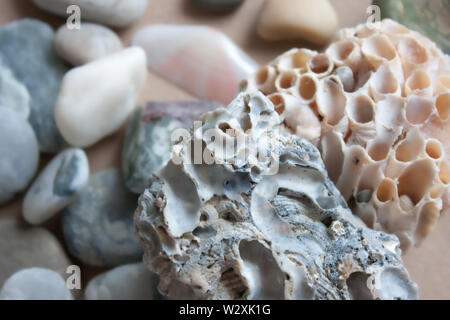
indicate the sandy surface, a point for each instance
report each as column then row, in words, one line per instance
column 429, row 265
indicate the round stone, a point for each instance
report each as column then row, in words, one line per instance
column 56, row 186
column 13, row 94
column 98, row 224
column 128, row 282
column 19, row 153
column 90, row 42
column 24, row 247
column 35, row 284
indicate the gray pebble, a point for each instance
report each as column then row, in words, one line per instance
column 98, row 224
column 26, row 47
column 56, row 186
column 24, row 247
column 13, row 94
column 19, row 154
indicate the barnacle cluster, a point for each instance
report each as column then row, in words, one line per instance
column 377, row 105
column 268, row 224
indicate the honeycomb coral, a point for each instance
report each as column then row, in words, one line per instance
column 377, row 104
column 239, row 227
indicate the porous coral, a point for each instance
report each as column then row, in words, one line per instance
column 377, row 104
column 258, row 218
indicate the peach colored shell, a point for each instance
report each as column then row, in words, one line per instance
column 377, row 104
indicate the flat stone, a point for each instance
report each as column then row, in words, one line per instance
column 97, row 98
column 35, row 284
column 19, row 153
column 24, row 247
column 128, row 282
column 13, row 94
column 56, row 186
column 115, row 13
column 98, row 224
column 90, row 42
column 148, row 138
column 312, row 20
column 219, row 5
column 26, row 47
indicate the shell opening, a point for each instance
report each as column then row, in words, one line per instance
column 416, row 180
column 407, row 150
column 386, row 190
column 341, row 50
column 443, row 106
column 307, row 87
column 412, row 51
column 378, row 151
column 384, row 80
column 320, row 63
column 418, row 109
column 433, row 149
column 419, row 80
column 361, row 109
column 286, row 80
column 357, row 286
column 444, row 172
column 300, row 59
column 331, row 100
column 379, row 46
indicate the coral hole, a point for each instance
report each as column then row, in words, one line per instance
column 444, row 172
column 278, row 103
column 378, row 151
column 357, row 286
column 416, row 180
column 341, row 50
column 307, row 87
column 418, row 109
column 299, row 59
column 380, row 46
column 419, row 80
column 412, row 51
column 433, row 148
column 386, row 190
column 443, row 106
column 361, row 109
column 320, row 63
column 286, row 80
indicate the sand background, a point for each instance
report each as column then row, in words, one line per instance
column 429, row 264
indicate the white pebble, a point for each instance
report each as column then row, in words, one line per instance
column 96, row 98
column 35, row 284
column 90, row 42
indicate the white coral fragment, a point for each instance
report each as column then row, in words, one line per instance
column 241, row 227
column 381, row 99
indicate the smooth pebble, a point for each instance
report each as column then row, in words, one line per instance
column 312, row 20
column 199, row 59
column 127, row 282
column 56, row 186
column 35, row 284
column 90, row 42
column 13, row 94
column 19, row 154
column 98, row 224
column 96, row 98
column 26, row 47
column 115, row 13
column 24, row 247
